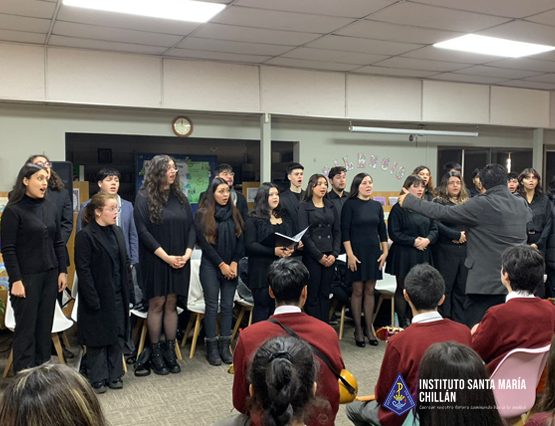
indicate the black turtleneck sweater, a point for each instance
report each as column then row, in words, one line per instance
column 31, row 240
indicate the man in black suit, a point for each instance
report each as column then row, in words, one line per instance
column 290, row 198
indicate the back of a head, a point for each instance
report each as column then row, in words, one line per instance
column 282, row 374
column 50, row 394
column 287, row 278
column 525, row 267
column 458, row 369
column 425, row 287
column 492, row 175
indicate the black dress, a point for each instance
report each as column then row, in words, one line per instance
column 175, row 234
column 362, row 223
column 404, row 227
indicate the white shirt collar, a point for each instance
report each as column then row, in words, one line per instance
column 287, row 309
column 521, row 294
column 427, row 317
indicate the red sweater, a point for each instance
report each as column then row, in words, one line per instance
column 310, row 329
column 519, row 323
column 403, row 354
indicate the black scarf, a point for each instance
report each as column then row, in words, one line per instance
column 226, row 238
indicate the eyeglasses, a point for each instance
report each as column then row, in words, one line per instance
column 43, row 163
column 173, row 169
column 114, row 209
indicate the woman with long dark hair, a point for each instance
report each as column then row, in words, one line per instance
column 103, row 266
column 412, row 234
column 266, row 219
column 165, row 225
column 450, row 250
column 322, row 243
column 365, row 239
column 35, row 258
column 424, row 173
column 219, row 229
column 447, row 362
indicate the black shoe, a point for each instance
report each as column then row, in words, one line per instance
column 224, row 343
column 170, row 358
column 372, row 341
column 157, row 360
column 99, row 387
column 360, row 343
column 212, row 352
column 116, row 384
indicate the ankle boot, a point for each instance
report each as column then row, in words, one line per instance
column 157, row 361
column 212, row 354
column 224, row 343
column 170, row 358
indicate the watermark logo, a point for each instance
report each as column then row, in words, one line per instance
column 399, row 400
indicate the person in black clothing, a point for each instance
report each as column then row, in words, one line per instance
column 266, row 219
column 550, row 245
column 225, row 171
column 449, row 253
column 477, row 187
column 338, row 180
column 35, row 258
column 365, row 239
column 219, row 229
column 103, row 268
column 165, row 226
column 424, row 173
column 412, row 234
column 321, row 244
column 291, row 197
column 512, row 182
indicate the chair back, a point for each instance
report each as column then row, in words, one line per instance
column 60, row 323
column 195, row 299
column 9, row 320
column 387, row 285
column 515, row 380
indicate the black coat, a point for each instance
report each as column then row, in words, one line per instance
column 324, row 233
column 97, row 313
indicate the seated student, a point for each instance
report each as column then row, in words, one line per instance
column 513, row 324
column 50, row 394
column 544, row 410
column 288, row 279
column 424, row 292
column 453, row 361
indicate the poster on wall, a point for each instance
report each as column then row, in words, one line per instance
column 194, row 171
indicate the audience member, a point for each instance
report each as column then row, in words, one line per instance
column 288, row 279
column 424, row 173
column 219, row 230
column 449, row 362
column 412, row 234
column 321, row 244
column 102, row 266
column 424, row 292
column 35, row 257
column 495, row 220
column 522, row 269
column 291, row 197
column 365, row 239
column 50, row 394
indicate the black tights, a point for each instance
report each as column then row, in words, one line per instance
column 162, row 309
column 401, row 307
column 363, row 291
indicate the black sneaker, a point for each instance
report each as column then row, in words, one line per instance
column 116, row 384
column 99, row 387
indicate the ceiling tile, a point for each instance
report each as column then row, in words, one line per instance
column 420, row 64
column 525, row 64
column 71, row 29
column 22, row 37
column 104, row 45
column 544, row 78
column 326, row 55
column 218, row 56
column 31, row 8
column 288, row 21
column 405, row 13
column 300, row 63
column 436, row 54
column 547, row 18
column 510, row 8
column 523, row 31
column 462, row 78
column 132, row 22
column 254, row 35
column 496, row 72
column 350, row 9
column 395, row 72
column 392, row 32
column 23, row 23
column 530, row 84
column 232, row 46
column 354, row 44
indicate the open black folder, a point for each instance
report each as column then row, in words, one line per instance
column 280, row 240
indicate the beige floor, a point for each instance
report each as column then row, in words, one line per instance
column 201, row 394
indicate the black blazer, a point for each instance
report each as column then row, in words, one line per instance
column 324, row 232
column 289, row 202
column 97, row 309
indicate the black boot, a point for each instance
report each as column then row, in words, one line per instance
column 170, row 358
column 157, row 360
column 212, row 354
column 224, row 343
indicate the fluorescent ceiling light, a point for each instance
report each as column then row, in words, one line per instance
column 178, row 10
column 493, row 46
column 417, row 132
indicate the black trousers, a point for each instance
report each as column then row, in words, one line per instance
column 478, row 304
column 449, row 261
column 264, row 305
column 105, row 363
column 34, row 315
column 319, row 289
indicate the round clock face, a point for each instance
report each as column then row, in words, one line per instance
column 182, row 126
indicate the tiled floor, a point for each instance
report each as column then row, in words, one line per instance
column 201, row 394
